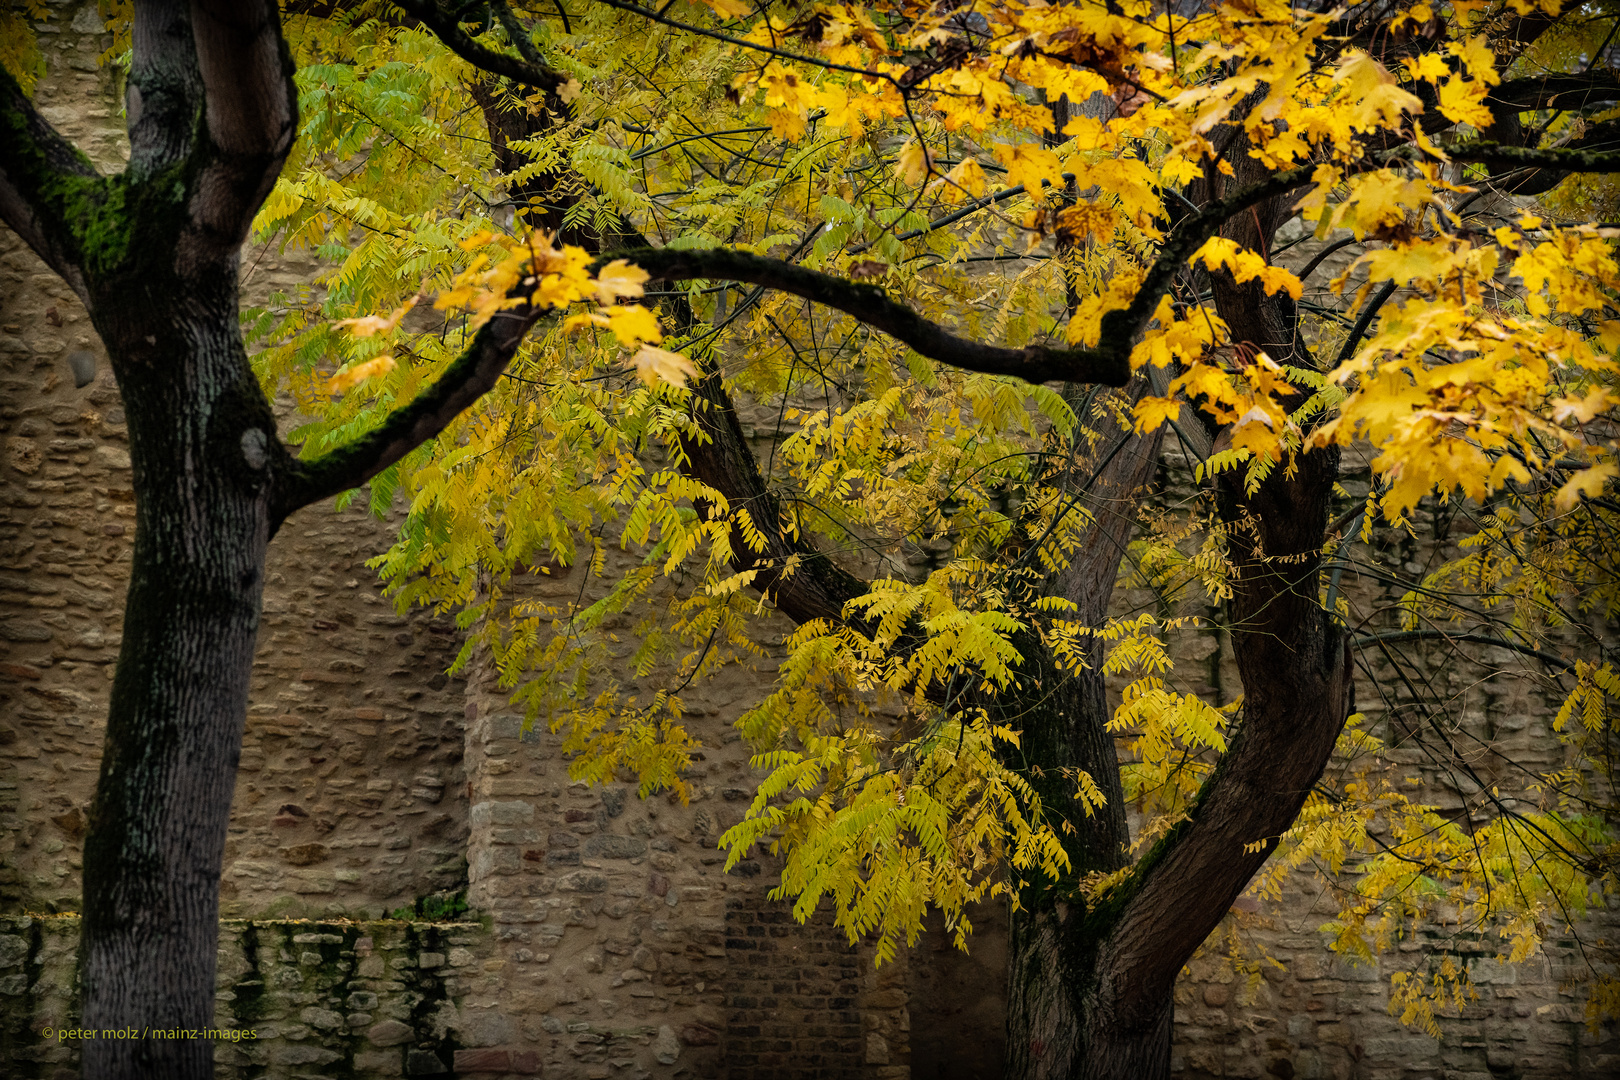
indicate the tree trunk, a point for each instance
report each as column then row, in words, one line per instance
column 1049, row 950
column 1053, row 1026
column 199, row 432
column 1298, row 687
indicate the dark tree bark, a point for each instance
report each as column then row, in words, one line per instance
column 153, row 253
column 199, row 434
column 1064, row 716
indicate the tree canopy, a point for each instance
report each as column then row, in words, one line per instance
column 1023, row 174
column 768, row 296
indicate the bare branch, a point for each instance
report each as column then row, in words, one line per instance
column 869, row 304
column 1395, row 636
column 1558, row 91
column 1565, row 159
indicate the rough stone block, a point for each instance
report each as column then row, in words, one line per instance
column 666, row 1047
column 475, row 1061
column 424, row 1063
column 389, row 1033
column 485, row 1027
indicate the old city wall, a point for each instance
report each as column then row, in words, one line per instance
column 608, row 941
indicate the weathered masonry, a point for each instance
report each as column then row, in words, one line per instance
column 413, row 886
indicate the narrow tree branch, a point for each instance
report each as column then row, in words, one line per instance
column 1109, row 363
column 1564, row 159
column 1359, row 331
column 517, row 33
column 744, row 43
column 802, row 583
column 1321, row 256
column 472, row 375
column 869, row 304
column 1558, row 91
column 486, row 59
column 1547, row 658
column 46, row 185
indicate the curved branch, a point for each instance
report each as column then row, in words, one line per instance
column 1359, row 331
column 1298, row 689
column 517, row 34
column 472, row 375
column 449, row 31
column 871, row 305
column 1108, row 363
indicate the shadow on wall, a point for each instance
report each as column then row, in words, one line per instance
column 958, row 999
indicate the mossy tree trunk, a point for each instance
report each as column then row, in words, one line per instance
column 199, row 436
column 154, row 255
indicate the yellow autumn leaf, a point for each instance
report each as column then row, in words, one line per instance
column 1153, row 412
column 1464, row 101
column 1588, row 482
column 729, row 9
column 654, row 364
column 350, row 377
column 787, row 124
column 1276, row 279
column 577, row 322
column 631, row 323
column 1218, row 251
column 1028, row 164
column 1582, row 409
column 1430, row 66
column 619, row 279
column 913, row 163
column 369, row 325
column 965, row 177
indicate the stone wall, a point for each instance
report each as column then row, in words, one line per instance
column 626, row 942
column 296, row 998
column 354, row 732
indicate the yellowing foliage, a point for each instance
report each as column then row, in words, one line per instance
column 1012, row 171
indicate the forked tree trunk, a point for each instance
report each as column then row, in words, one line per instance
column 1090, row 992
column 199, row 435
